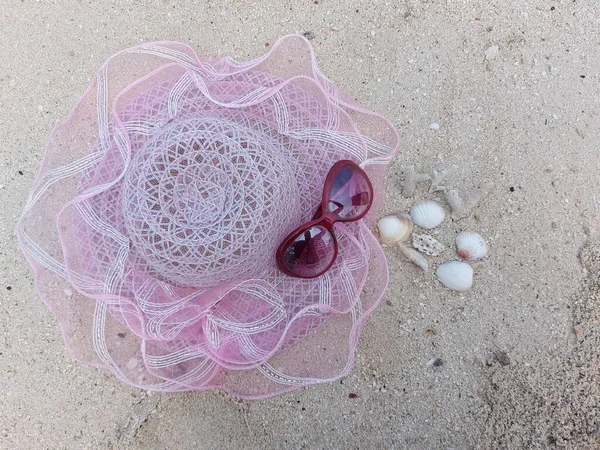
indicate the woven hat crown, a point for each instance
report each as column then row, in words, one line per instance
column 206, row 199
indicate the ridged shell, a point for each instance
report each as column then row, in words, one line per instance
column 470, row 246
column 427, row 214
column 394, row 229
column 455, row 275
column 427, row 244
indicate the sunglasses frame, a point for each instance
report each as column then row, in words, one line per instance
column 325, row 219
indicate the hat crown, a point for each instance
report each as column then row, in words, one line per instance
column 206, row 199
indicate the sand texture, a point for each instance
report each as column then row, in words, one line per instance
column 507, row 92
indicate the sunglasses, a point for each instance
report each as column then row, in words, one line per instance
column 311, row 249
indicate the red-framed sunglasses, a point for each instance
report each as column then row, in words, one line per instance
column 310, row 250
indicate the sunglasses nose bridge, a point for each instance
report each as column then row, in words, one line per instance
column 328, row 220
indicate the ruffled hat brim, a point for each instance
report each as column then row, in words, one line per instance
column 162, row 325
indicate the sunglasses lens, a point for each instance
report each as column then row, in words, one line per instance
column 351, row 194
column 311, row 253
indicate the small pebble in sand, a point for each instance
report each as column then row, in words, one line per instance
column 434, row 126
column 309, row 35
column 435, row 362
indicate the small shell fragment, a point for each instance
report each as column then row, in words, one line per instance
column 427, row 214
column 414, row 256
column 427, row 244
column 491, row 52
column 394, row 229
column 470, row 246
column 455, row 275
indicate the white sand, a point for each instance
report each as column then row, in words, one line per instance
column 520, row 364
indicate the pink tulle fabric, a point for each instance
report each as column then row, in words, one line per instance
column 153, row 223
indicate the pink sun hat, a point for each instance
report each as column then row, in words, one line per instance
column 154, row 222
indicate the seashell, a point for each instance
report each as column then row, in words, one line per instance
column 455, row 275
column 427, row 214
column 470, row 246
column 394, row 229
column 427, row 244
column 414, row 257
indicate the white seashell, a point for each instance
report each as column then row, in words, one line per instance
column 455, row 275
column 427, row 244
column 427, row 214
column 470, row 246
column 414, row 257
column 394, row 229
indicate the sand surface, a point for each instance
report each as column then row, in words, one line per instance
column 513, row 87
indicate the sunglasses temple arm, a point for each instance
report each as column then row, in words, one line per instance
column 317, row 213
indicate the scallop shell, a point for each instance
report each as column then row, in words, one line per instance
column 470, row 246
column 427, row 244
column 394, row 229
column 455, row 275
column 427, row 214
